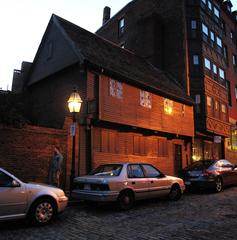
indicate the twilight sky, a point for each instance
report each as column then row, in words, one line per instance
column 23, row 23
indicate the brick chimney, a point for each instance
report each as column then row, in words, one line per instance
column 106, row 14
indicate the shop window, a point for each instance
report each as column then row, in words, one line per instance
column 233, row 138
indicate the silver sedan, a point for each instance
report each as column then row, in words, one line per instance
column 40, row 203
column 125, row 183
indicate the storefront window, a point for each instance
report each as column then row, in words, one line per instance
column 233, row 139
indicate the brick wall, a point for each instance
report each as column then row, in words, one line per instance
column 27, row 152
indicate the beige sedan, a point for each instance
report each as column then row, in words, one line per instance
column 40, row 203
column 125, row 183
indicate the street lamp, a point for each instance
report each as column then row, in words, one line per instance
column 74, row 105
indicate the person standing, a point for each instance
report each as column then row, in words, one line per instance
column 55, row 168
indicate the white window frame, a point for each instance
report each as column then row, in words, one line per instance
column 221, row 73
column 121, row 25
column 234, row 59
column 212, row 36
column 210, row 5
column 205, row 29
column 207, row 63
column 219, row 41
column 195, row 59
column 214, row 68
column 194, row 24
column 216, row 12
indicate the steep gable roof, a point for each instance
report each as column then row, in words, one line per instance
column 95, row 50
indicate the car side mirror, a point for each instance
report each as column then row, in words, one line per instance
column 15, row 184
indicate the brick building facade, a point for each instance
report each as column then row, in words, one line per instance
column 196, row 42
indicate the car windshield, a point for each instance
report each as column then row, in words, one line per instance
column 200, row 165
column 110, row 170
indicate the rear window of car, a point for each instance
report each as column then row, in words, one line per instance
column 200, row 165
column 110, row 170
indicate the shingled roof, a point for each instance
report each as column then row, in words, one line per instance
column 132, row 68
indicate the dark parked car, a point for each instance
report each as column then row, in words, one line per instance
column 210, row 174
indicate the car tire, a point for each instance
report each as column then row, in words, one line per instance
column 91, row 204
column 175, row 193
column 126, row 200
column 42, row 211
column 218, row 185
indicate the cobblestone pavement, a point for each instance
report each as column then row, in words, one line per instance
column 195, row 216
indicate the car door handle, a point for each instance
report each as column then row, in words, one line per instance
column 133, row 182
column 152, row 181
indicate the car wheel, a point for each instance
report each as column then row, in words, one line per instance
column 126, row 200
column 218, row 185
column 175, row 193
column 91, row 204
column 42, row 211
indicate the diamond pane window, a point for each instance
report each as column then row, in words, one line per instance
column 115, row 89
column 145, row 99
column 168, row 106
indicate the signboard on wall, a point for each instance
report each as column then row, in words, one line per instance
column 217, row 139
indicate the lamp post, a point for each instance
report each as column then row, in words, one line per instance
column 74, row 105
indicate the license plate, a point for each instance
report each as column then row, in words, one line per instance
column 87, row 187
column 187, row 183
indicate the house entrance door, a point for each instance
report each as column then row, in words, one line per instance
column 177, row 158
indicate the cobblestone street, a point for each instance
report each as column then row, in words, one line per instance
column 195, row 216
